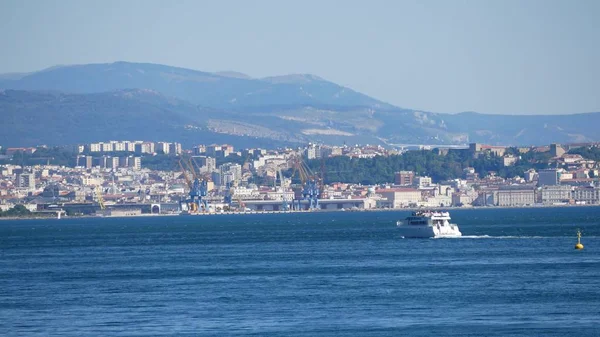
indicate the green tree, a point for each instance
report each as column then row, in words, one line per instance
column 439, row 167
column 16, row 211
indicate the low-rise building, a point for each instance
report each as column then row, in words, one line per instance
column 509, row 160
column 556, row 195
column 516, row 196
column 400, row 197
column 463, row 198
column 487, row 197
column 588, row 195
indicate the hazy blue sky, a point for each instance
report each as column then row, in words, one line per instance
column 505, row 56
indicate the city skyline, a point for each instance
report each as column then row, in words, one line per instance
column 507, row 57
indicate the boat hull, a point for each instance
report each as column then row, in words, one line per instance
column 412, row 231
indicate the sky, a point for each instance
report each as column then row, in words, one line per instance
column 489, row 56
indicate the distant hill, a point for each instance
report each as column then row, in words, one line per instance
column 53, row 118
column 122, row 100
column 217, row 90
column 527, row 129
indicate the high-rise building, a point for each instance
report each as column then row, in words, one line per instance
column 211, row 150
column 556, row 150
column 130, row 146
column 404, row 178
column 175, row 148
column 207, row 164
column 80, row 161
column 313, row 151
column 548, row 177
column 199, row 150
column 107, row 147
column 119, row 146
column 102, row 162
column 85, row 161
column 124, row 161
column 26, row 181
column 163, row 147
column 230, row 173
column 89, row 162
column 137, row 163
column 219, row 151
column 144, row 147
column 95, row 147
column 113, row 162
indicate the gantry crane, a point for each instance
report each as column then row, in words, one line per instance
column 98, row 191
column 310, row 183
column 197, row 184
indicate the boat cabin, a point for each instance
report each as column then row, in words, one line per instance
column 428, row 218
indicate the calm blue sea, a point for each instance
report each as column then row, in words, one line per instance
column 515, row 273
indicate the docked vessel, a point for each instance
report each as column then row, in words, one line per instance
column 428, row 224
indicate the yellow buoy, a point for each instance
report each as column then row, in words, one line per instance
column 578, row 245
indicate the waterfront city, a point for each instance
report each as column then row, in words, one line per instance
column 124, row 178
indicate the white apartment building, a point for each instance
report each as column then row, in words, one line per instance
column 106, row 147
column 145, row 147
column 130, row 146
column 163, row 147
column 137, row 163
column 95, row 147
column 119, row 146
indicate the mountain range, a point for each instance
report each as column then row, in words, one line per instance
column 121, row 100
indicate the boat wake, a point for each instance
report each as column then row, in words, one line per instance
column 502, row 237
column 514, row 237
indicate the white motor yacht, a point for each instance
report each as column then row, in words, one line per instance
column 428, row 224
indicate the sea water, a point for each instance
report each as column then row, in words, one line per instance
column 514, row 273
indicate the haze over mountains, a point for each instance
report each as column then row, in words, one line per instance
column 99, row 102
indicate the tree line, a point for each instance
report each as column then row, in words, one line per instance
column 439, row 166
column 17, row 211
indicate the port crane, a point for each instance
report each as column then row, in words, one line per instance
column 98, row 191
column 310, row 183
column 197, row 184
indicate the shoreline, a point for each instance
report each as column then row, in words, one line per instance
column 409, row 209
